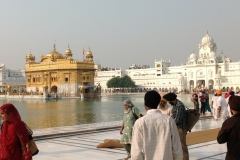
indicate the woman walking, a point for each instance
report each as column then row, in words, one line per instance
column 14, row 142
column 131, row 114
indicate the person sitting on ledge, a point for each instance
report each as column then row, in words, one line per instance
column 230, row 131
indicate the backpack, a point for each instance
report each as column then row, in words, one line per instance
column 192, row 116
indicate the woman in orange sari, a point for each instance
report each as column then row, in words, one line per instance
column 14, row 142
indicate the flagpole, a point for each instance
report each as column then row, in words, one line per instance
column 83, row 54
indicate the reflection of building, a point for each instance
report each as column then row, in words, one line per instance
column 207, row 70
column 15, row 78
column 60, row 74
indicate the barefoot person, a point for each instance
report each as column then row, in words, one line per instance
column 131, row 113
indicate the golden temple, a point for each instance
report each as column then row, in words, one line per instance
column 61, row 74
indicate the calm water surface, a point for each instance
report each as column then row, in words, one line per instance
column 45, row 114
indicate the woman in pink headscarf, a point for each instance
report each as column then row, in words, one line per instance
column 14, row 142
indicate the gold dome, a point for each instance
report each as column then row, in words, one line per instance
column 68, row 52
column 54, row 54
column 89, row 54
column 30, row 56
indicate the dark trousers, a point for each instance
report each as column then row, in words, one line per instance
column 203, row 105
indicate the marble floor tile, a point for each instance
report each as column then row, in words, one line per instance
column 82, row 146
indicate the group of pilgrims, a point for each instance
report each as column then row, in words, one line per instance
column 218, row 106
column 158, row 135
column 161, row 133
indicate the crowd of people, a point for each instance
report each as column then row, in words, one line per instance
column 218, row 105
column 161, row 133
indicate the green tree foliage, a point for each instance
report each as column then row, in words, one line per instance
column 117, row 82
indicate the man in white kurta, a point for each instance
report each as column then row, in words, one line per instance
column 222, row 105
column 155, row 135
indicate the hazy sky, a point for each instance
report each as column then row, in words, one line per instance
column 119, row 32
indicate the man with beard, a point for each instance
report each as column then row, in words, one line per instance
column 179, row 115
column 165, row 107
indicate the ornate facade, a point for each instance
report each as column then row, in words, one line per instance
column 60, row 74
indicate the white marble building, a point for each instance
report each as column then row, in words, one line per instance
column 14, row 78
column 103, row 77
column 205, row 70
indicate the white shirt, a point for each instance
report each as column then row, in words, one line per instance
column 228, row 107
column 214, row 100
column 167, row 109
column 221, row 102
column 155, row 137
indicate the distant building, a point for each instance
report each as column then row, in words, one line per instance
column 15, row 78
column 134, row 66
column 102, row 76
column 207, row 70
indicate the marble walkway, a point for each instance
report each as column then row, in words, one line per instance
column 79, row 142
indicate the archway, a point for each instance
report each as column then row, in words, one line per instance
column 210, row 84
column 201, row 84
column 191, row 84
column 53, row 89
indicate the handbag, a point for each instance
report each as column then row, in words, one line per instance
column 32, row 146
column 192, row 117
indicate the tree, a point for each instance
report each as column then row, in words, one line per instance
column 123, row 82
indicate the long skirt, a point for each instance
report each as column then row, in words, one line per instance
column 207, row 107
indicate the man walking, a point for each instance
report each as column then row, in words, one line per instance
column 179, row 115
column 155, row 135
column 222, row 105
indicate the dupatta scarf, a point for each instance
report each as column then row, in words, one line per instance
column 13, row 131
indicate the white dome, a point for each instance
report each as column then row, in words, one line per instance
column 193, row 56
column 207, row 39
column 222, row 55
column 212, row 54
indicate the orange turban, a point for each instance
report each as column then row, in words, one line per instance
column 219, row 92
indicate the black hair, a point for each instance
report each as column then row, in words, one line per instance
column 152, row 99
